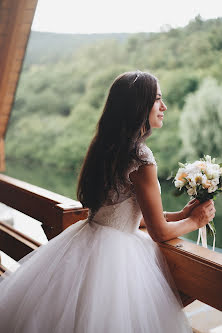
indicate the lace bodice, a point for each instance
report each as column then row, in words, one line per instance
column 123, row 212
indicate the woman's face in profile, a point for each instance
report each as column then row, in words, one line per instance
column 156, row 114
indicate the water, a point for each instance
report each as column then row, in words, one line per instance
column 65, row 183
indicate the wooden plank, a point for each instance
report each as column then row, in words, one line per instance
column 2, row 40
column 14, row 243
column 70, row 216
column 19, row 53
column 31, row 4
column 2, row 154
column 4, row 114
column 197, row 271
column 3, row 29
column 196, row 251
column 29, row 241
column 16, row 65
column 4, row 118
column 39, row 191
column 3, row 269
column 12, row 86
column 4, row 15
column 19, row 15
column 2, row 125
column 21, row 41
column 13, row 76
column 2, row 129
column 5, row 4
column 24, row 29
column 8, row 100
column 39, row 204
column 28, row 15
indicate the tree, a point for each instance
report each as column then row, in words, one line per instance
column 201, row 121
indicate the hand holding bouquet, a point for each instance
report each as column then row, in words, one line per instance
column 201, row 180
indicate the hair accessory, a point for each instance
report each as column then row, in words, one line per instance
column 137, row 75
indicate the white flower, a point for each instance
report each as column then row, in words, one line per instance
column 212, row 171
column 205, row 174
column 207, row 158
column 192, row 191
column 195, row 179
column 212, row 188
column 206, row 183
column 215, row 181
column 180, row 177
column 179, row 183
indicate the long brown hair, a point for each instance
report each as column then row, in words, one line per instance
column 123, row 124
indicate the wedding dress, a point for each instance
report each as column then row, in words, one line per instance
column 100, row 275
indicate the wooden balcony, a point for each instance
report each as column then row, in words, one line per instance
column 55, row 211
column 197, row 271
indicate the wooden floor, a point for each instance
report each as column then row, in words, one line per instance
column 204, row 318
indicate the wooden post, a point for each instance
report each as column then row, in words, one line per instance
column 16, row 19
column 2, row 155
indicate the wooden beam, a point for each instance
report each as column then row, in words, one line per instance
column 70, row 215
column 16, row 28
column 2, row 154
column 5, row 4
column 3, row 269
column 14, row 243
column 197, row 271
column 55, row 211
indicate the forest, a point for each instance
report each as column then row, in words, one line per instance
column 65, row 80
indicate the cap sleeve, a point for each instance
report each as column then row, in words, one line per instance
column 146, row 156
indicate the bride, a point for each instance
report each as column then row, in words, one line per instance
column 103, row 274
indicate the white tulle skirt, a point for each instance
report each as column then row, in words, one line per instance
column 92, row 279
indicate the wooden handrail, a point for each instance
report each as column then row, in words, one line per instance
column 197, row 271
column 55, row 211
column 14, row 243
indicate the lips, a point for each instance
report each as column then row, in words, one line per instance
column 160, row 116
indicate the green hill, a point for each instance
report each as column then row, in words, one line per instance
column 46, row 47
column 66, row 77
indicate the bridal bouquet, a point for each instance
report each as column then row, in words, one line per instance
column 201, row 180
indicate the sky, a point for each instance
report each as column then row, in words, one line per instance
column 102, row 16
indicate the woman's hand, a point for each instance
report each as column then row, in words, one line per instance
column 186, row 211
column 203, row 213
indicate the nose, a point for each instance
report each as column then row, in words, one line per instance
column 163, row 106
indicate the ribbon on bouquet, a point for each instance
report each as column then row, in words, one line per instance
column 202, row 234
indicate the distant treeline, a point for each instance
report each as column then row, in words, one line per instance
column 65, row 80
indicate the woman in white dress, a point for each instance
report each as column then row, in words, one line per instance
column 102, row 274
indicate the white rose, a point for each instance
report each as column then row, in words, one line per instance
column 192, row 191
column 215, row 181
column 212, row 188
column 179, row 183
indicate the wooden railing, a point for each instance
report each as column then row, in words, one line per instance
column 197, row 271
column 55, row 211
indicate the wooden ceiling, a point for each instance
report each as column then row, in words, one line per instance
column 16, row 18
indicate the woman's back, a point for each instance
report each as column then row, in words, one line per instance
column 121, row 209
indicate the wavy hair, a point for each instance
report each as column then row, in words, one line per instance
column 123, row 125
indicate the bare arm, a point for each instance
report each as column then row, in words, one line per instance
column 170, row 216
column 183, row 213
column 149, row 199
column 174, row 216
